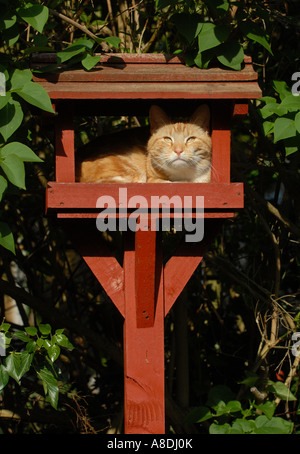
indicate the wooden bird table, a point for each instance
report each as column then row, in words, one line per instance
column 143, row 288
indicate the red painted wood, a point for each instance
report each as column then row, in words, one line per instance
column 87, row 215
column 221, row 142
column 143, row 68
column 152, row 90
column 64, row 147
column 240, row 108
column 145, row 273
column 145, row 73
column 77, row 196
column 109, row 273
column 148, row 76
column 143, row 357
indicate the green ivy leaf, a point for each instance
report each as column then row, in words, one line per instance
column 31, row 346
column 63, row 341
column 291, row 145
column 59, row 331
column 40, row 342
column 242, row 426
column 50, row 385
column 282, row 88
column 281, row 391
column 4, row 377
column 291, row 103
column 275, row 425
column 254, row 32
column 297, row 122
column 14, row 169
column 21, row 151
column 203, row 59
column 31, row 330
column 36, row 95
column 4, row 100
column 5, row 327
column 113, row 41
column 268, row 99
column 12, row 35
column 232, row 55
column 3, row 186
column 11, row 117
column 7, row 20
column 80, row 46
column 223, row 408
column 6, row 237
column 35, row 15
column 45, row 329
column 215, row 429
column 268, row 408
column 69, row 53
column 17, row 364
column 250, row 380
column 284, row 128
column 273, row 108
column 268, row 127
column 53, row 352
column 212, row 35
column 22, row 336
column 89, row 61
column 19, row 78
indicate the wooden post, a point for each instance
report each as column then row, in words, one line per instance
column 143, row 349
column 145, row 277
column 64, row 146
column 221, row 137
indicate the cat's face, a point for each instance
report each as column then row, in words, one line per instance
column 180, row 151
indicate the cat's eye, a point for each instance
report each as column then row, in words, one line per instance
column 168, row 139
column 190, row 139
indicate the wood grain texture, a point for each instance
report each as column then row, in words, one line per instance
column 64, row 147
column 76, row 196
column 147, row 76
column 143, row 355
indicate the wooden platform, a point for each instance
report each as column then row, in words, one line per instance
column 79, row 200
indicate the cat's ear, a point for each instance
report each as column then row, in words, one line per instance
column 157, row 118
column 201, row 117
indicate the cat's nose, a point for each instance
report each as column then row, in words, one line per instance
column 178, row 151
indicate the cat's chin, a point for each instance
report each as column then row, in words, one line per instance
column 179, row 163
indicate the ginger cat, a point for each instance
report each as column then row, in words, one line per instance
column 178, row 152
column 114, row 158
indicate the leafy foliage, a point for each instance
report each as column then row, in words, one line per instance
column 39, row 350
column 18, row 88
column 281, row 117
column 258, row 418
